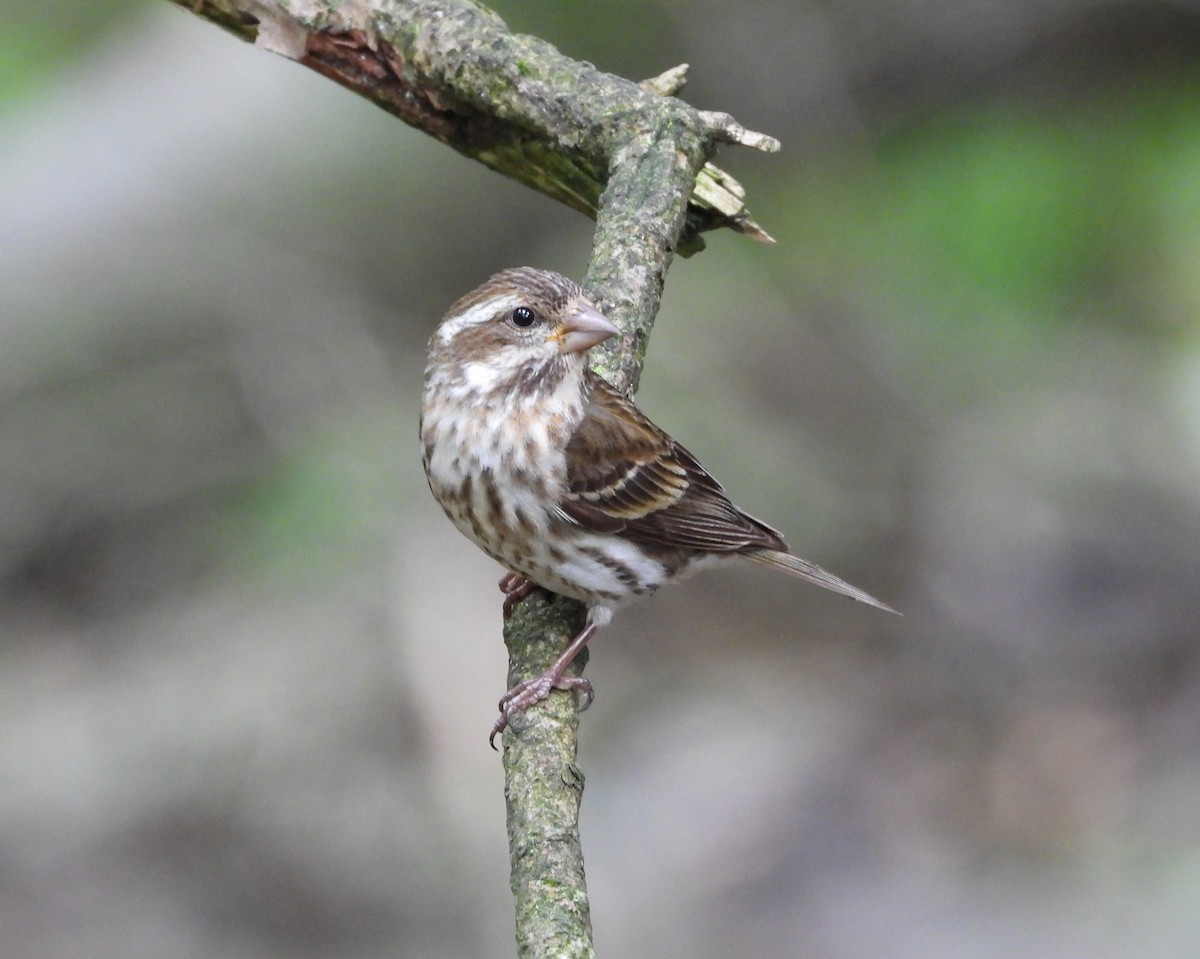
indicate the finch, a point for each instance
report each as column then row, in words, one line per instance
column 559, row 477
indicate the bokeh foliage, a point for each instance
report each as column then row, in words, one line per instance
column 247, row 670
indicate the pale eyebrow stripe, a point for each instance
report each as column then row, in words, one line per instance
column 475, row 315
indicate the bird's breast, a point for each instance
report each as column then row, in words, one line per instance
column 499, row 470
column 498, row 473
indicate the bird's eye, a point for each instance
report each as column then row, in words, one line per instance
column 522, row 316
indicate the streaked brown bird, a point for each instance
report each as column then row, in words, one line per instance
column 560, row 478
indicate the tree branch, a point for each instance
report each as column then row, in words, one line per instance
column 451, row 69
column 631, row 156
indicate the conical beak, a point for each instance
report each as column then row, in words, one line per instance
column 583, row 327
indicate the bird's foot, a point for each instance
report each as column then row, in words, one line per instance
column 525, row 694
column 515, row 588
column 531, row 691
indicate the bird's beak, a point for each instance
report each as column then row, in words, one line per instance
column 583, row 326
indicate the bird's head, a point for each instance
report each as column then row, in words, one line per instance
column 521, row 323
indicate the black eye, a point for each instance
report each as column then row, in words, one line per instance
column 523, row 316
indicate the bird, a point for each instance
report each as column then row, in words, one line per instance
column 560, row 478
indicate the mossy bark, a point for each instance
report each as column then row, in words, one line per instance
column 543, row 789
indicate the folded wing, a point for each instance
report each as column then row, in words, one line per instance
column 626, row 476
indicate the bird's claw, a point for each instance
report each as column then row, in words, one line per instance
column 515, row 588
column 531, row 691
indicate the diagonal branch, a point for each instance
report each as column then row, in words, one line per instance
column 451, row 69
column 631, row 156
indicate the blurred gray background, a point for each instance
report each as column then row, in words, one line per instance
column 247, row 669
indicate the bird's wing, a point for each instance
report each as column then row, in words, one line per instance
column 627, row 477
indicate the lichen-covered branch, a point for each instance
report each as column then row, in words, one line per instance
column 543, row 789
column 453, row 70
column 631, row 156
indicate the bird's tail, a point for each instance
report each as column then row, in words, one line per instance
column 777, row 559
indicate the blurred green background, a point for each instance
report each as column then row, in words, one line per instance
column 247, row 669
